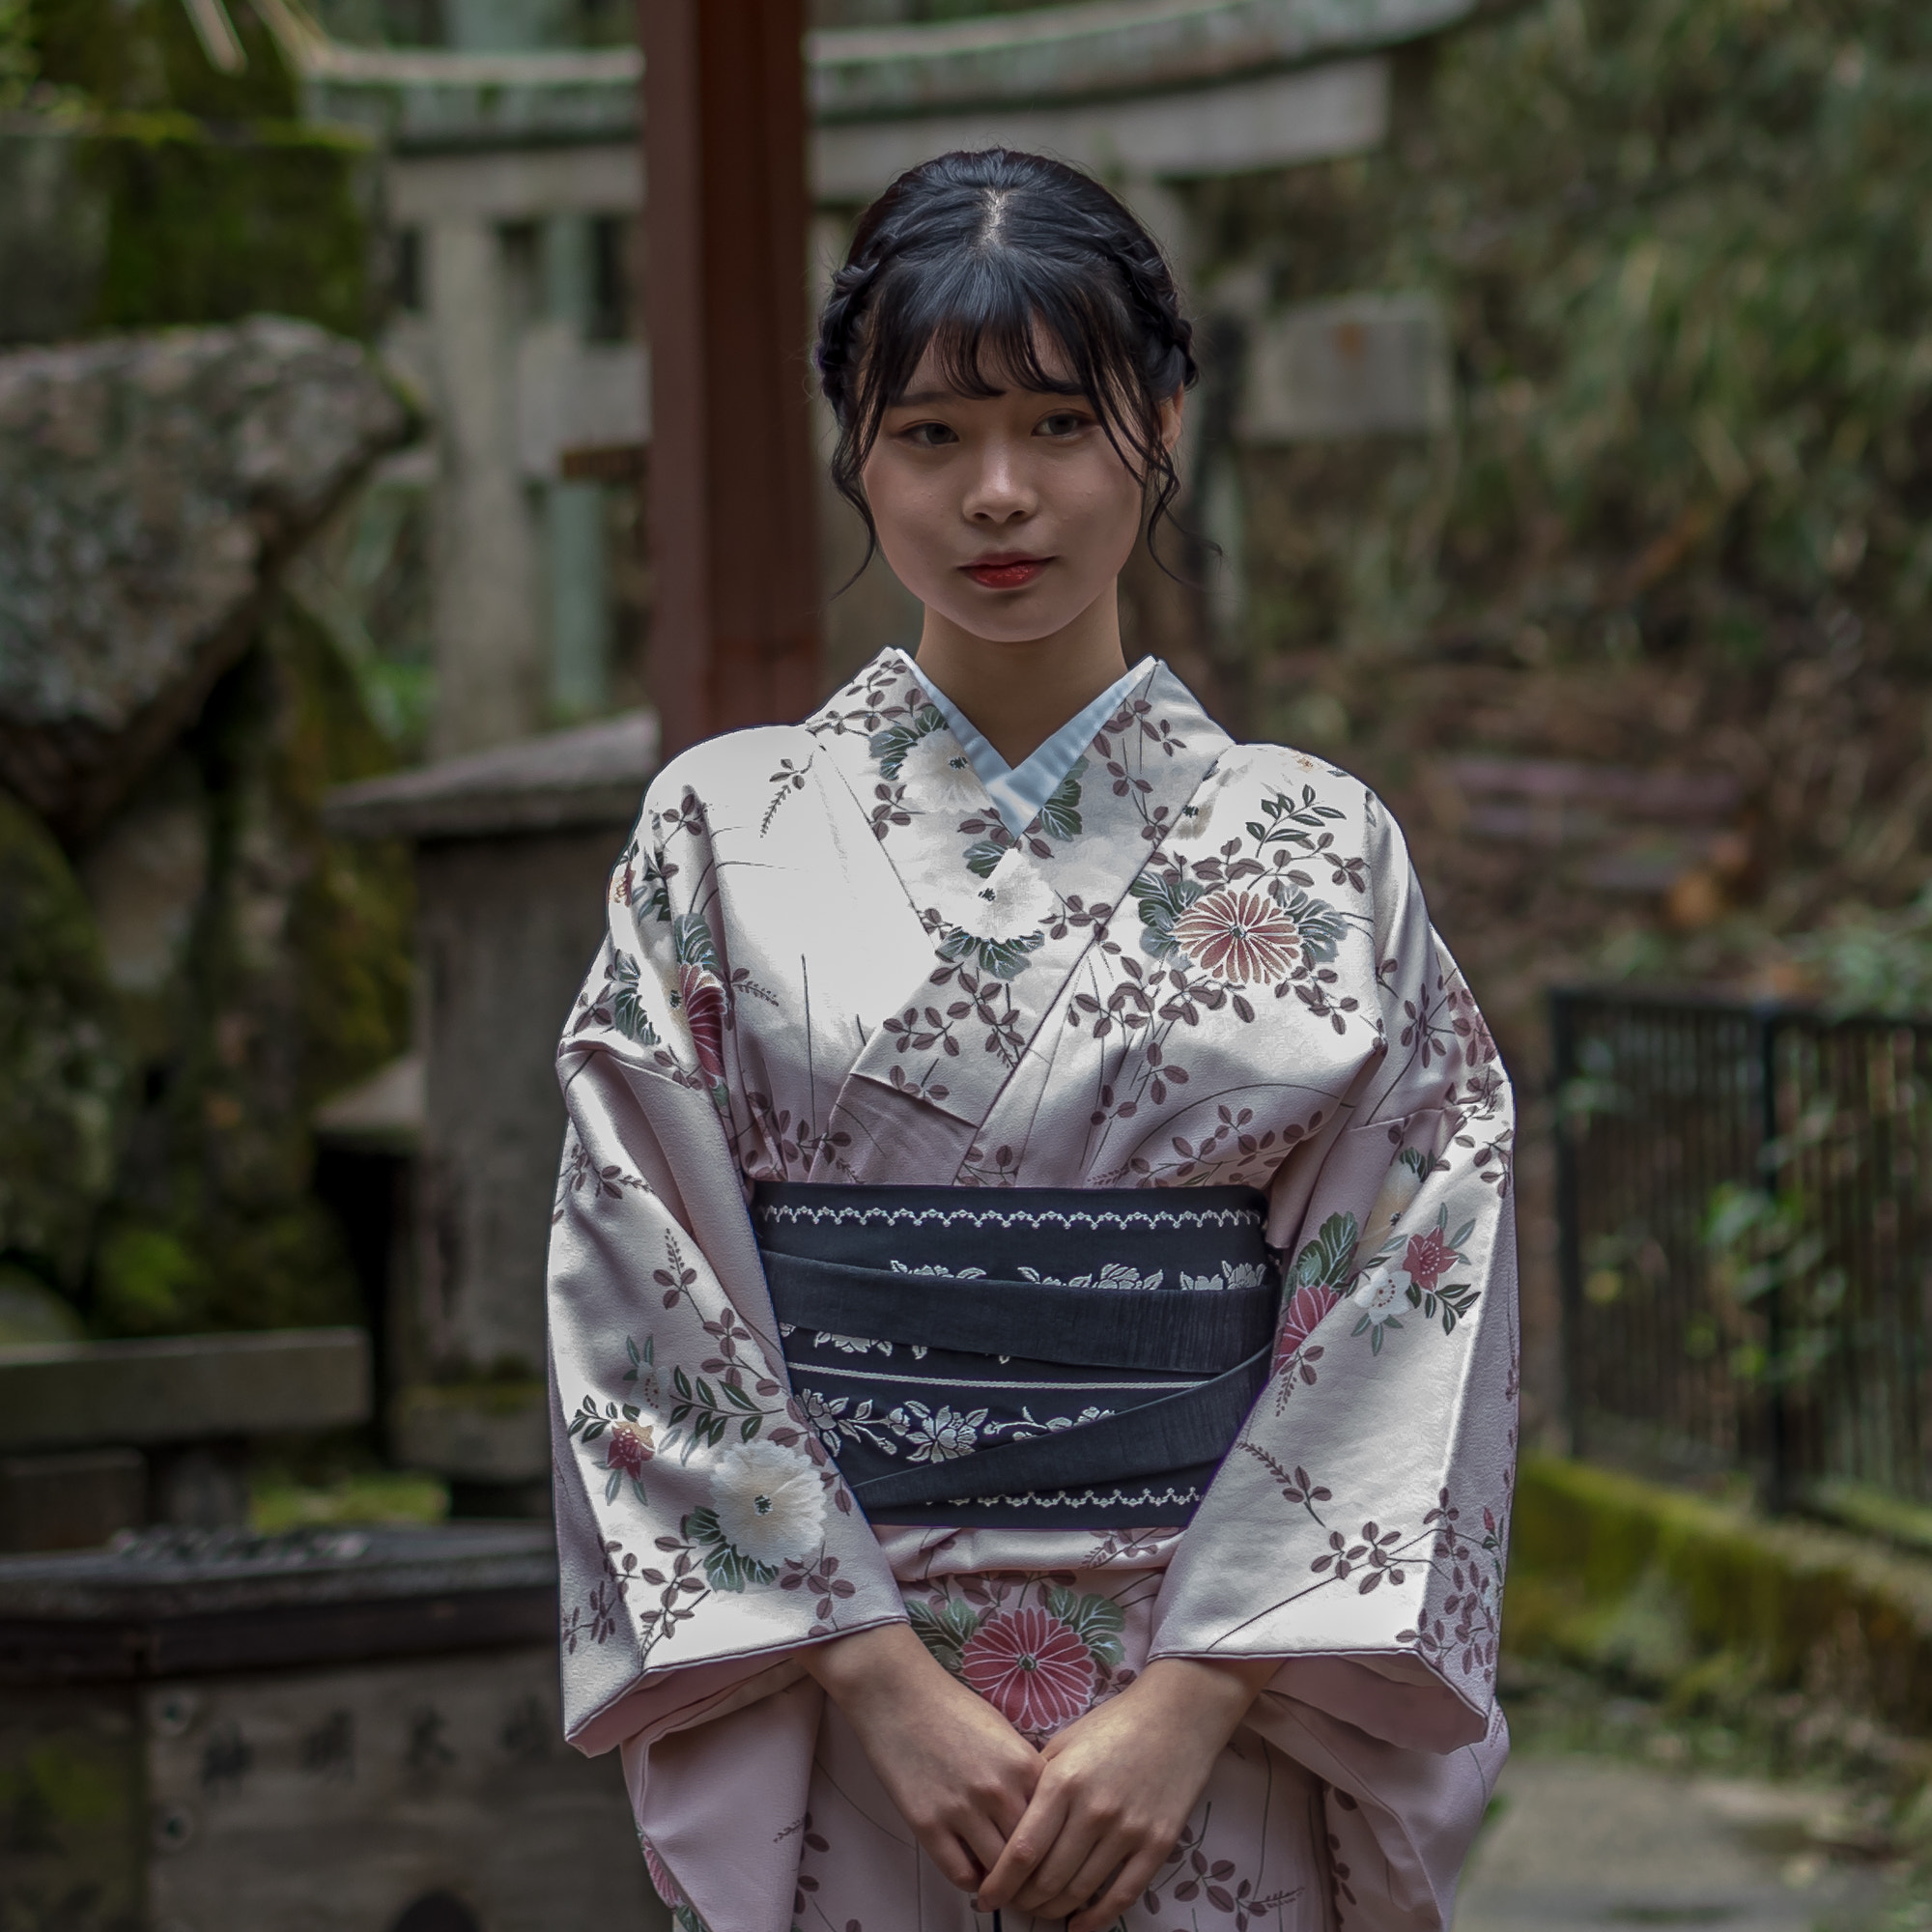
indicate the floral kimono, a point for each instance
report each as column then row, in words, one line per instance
column 830, row 961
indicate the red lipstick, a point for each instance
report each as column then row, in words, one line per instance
column 1005, row 572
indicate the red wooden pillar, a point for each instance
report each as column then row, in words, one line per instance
column 732, row 509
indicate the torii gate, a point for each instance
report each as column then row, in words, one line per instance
column 732, row 511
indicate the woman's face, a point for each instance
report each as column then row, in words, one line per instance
column 1007, row 515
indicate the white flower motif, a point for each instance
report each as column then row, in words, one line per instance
column 1112, row 1274
column 939, row 776
column 850, row 1345
column 1378, row 1294
column 936, row 1435
column 1233, row 1274
column 1012, row 903
column 768, row 1502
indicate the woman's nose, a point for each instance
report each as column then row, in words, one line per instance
column 1000, row 490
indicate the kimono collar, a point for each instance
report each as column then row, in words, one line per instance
column 1020, row 791
column 1011, row 912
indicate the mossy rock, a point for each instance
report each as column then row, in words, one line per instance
column 1692, row 1598
column 60, row 1066
column 293, row 983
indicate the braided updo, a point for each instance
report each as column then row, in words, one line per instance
column 986, row 258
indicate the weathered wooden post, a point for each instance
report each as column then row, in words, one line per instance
column 732, row 509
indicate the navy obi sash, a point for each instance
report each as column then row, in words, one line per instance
column 1022, row 1357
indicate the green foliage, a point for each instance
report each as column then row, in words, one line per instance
column 221, row 202
column 1874, row 962
column 1682, row 245
column 18, row 67
column 143, row 56
column 210, row 226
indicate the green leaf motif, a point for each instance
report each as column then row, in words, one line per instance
column 691, row 941
column 1001, row 958
column 944, row 1630
column 1059, row 815
column 983, row 857
column 1327, row 1260
column 1162, row 901
column 890, row 746
column 1098, row 1622
column 654, row 888
column 626, row 1003
column 1320, row 927
column 726, row 1567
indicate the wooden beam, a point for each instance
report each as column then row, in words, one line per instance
column 731, row 507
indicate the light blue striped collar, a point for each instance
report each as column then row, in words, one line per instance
column 1019, row 793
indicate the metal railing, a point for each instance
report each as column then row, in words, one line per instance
column 1745, row 1220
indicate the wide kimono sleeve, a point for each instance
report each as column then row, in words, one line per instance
column 1358, row 1528
column 704, row 1535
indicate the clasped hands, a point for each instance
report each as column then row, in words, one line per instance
column 1072, row 1831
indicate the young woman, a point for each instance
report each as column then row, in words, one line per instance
column 1033, row 1299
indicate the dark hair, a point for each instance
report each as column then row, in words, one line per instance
column 981, row 256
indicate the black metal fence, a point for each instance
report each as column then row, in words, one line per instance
column 1745, row 1211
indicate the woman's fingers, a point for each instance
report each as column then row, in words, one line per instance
column 954, row 1860
column 1090, row 1876
column 1030, row 1841
column 984, row 1842
column 1129, row 1882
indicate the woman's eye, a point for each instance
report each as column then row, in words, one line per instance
column 1063, row 422
column 929, row 435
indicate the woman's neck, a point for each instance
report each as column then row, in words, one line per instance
column 1019, row 695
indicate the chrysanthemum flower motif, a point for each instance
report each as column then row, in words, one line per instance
column 1239, row 937
column 1013, row 902
column 1034, row 1669
column 768, row 1502
column 629, row 1448
column 938, row 777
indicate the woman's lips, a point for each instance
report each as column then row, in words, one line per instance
column 1006, row 573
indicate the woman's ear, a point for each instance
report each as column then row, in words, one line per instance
column 1172, row 410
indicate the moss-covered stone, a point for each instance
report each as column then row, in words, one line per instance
column 211, row 225
column 60, row 1072
column 292, row 982
column 145, row 56
column 1702, row 1600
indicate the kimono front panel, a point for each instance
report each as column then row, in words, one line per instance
column 1202, row 964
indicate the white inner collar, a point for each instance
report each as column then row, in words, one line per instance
column 1019, row 792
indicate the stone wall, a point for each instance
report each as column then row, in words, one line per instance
column 188, row 964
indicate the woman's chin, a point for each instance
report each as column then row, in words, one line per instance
column 1009, row 617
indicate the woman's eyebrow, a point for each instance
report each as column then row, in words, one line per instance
column 923, row 398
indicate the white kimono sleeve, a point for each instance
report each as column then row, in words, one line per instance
column 703, row 1534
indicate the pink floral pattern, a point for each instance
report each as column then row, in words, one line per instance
column 1032, row 1668
column 630, row 1449
column 1428, row 1258
column 703, row 999
column 1230, row 981
column 1303, row 1315
column 1239, row 937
